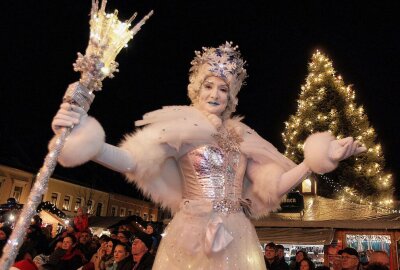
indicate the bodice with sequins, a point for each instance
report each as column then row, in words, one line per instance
column 214, row 172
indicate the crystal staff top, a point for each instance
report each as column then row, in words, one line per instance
column 108, row 35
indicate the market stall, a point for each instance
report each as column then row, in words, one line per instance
column 333, row 224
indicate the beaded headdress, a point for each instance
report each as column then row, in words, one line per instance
column 224, row 62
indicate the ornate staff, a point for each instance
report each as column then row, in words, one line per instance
column 108, row 35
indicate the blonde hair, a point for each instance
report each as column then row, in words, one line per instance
column 224, row 62
column 194, row 91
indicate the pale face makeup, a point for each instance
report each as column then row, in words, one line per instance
column 213, row 96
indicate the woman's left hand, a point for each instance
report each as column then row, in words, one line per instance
column 344, row 148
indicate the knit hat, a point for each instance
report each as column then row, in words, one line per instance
column 350, row 251
column 145, row 238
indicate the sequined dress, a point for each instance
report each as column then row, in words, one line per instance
column 206, row 173
column 207, row 176
column 211, row 231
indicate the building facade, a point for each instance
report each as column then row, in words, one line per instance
column 14, row 183
column 68, row 197
column 120, row 205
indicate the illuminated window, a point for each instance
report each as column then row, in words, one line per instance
column 78, row 203
column 306, row 186
column 54, row 198
column 90, row 206
column 67, row 203
column 17, row 192
column 122, row 212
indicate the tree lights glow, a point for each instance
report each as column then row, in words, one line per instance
column 326, row 103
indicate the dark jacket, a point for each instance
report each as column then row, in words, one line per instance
column 126, row 264
column 146, row 263
column 277, row 265
column 60, row 260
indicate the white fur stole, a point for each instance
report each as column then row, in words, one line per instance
column 157, row 146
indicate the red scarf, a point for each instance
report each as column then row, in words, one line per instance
column 69, row 255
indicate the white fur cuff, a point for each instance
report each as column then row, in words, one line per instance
column 84, row 142
column 316, row 153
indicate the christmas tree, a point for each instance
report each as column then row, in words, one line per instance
column 327, row 104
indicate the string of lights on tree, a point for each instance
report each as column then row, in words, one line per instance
column 347, row 193
column 326, row 103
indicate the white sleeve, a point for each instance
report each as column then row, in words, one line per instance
column 115, row 158
column 292, row 178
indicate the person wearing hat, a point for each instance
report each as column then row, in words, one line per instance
column 150, row 230
column 142, row 258
column 350, row 259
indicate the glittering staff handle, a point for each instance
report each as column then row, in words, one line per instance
column 108, row 36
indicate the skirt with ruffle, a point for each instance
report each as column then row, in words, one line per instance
column 201, row 239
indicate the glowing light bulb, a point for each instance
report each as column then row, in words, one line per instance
column 105, row 70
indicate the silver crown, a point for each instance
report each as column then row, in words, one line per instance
column 225, row 62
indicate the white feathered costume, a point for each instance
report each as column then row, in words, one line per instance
column 208, row 172
column 198, row 236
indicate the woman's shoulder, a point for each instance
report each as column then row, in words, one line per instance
column 242, row 129
column 170, row 113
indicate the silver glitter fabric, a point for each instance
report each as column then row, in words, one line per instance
column 212, row 211
column 215, row 173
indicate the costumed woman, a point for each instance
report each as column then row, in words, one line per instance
column 211, row 170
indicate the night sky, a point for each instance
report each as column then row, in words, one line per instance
column 40, row 40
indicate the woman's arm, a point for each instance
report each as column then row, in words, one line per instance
column 115, row 158
column 322, row 153
column 270, row 181
column 86, row 141
column 292, row 178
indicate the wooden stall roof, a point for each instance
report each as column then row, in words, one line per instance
column 320, row 212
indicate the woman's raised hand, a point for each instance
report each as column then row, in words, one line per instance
column 68, row 115
column 344, row 148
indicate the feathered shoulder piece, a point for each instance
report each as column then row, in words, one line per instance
column 257, row 148
column 175, row 125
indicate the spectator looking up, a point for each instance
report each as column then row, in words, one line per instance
column 350, row 258
column 142, row 258
column 271, row 260
column 122, row 258
column 67, row 257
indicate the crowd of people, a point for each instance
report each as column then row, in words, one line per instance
column 76, row 248
column 348, row 259
column 210, row 169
